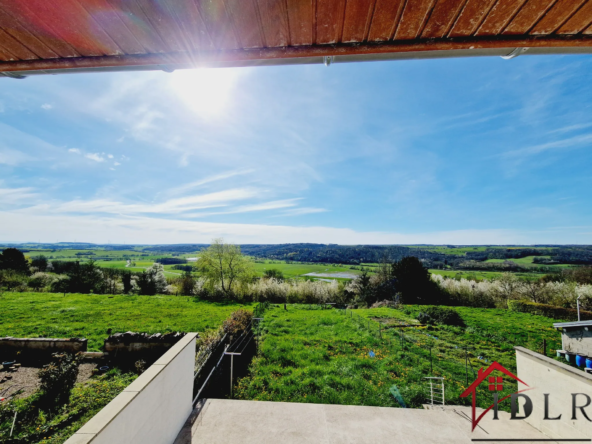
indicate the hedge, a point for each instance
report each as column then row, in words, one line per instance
column 550, row 311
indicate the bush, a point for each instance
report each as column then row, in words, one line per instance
column 440, row 315
column 238, row 321
column 550, row 311
column 58, row 379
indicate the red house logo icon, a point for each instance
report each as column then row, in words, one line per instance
column 495, row 384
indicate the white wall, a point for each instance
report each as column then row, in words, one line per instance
column 152, row 409
column 546, row 375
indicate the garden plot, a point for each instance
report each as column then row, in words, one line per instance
column 337, row 357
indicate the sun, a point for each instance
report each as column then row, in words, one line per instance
column 206, row 91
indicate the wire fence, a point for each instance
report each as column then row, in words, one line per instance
column 414, row 340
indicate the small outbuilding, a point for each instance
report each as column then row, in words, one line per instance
column 576, row 340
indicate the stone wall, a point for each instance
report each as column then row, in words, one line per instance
column 39, row 347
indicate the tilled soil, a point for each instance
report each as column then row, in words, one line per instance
column 26, row 380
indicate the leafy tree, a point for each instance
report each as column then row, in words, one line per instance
column 13, row 259
column 364, row 289
column 187, row 284
column 126, row 280
column 86, row 278
column 152, row 281
column 274, row 273
column 224, row 265
column 39, row 262
column 415, row 284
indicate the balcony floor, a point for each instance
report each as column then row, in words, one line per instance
column 223, row 421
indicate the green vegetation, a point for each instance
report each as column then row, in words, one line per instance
column 323, row 356
column 567, row 314
column 52, row 315
column 292, row 270
column 54, row 427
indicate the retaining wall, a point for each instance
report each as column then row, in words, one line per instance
column 44, row 346
column 153, row 409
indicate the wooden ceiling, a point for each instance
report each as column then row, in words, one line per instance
column 46, row 35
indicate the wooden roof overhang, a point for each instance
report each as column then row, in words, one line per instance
column 54, row 36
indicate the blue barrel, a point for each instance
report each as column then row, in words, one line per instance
column 588, row 363
column 580, row 361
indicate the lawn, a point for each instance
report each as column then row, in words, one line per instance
column 323, row 356
column 54, row 315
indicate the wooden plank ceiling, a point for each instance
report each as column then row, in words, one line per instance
column 69, row 34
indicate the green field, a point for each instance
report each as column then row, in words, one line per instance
column 51, row 315
column 323, row 356
column 140, row 265
column 469, row 249
column 293, row 270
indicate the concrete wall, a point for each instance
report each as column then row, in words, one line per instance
column 153, row 409
column 545, row 375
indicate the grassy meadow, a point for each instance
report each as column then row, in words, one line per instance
column 293, row 270
column 51, row 315
column 323, row 356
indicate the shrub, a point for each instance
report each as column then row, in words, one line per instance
column 440, row 315
column 550, row 311
column 238, row 321
column 58, row 379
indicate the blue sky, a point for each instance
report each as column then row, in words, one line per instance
column 462, row 151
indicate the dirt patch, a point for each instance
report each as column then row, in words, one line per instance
column 27, row 380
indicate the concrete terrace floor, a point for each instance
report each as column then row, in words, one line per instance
column 223, row 421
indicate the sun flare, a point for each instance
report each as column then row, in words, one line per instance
column 206, row 91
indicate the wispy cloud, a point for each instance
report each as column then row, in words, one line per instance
column 215, row 178
column 46, row 106
column 146, row 230
column 13, row 157
column 16, row 195
column 74, row 150
column 302, row 211
column 95, row 157
column 563, row 144
column 264, row 206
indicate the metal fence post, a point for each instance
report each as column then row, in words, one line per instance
column 467, row 365
column 231, row 372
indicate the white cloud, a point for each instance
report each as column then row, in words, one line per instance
column 95, row 156
column 16, row 195
column 110, row 156
column 168, row 207
column 74, row 150
column 264, row 206
column 46, row 106
column 116, row 163
column 226, row 175
column 303, row 210
column 47, row 227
